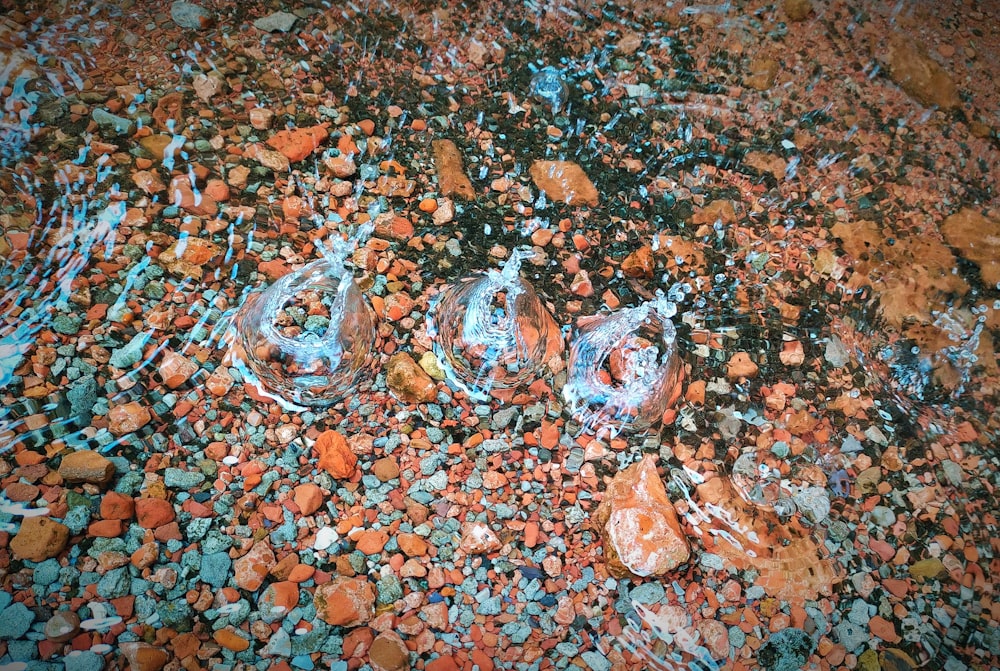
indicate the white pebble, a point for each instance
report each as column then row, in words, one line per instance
column 325, row 537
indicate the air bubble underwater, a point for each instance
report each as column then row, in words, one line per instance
column 491, row 331
column 314, row 355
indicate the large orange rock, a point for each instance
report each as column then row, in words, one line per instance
column 452, row 180
column 564, row 181
column 335, row 457
column 143, row 656
column 639, row 527
column 345, row 602
column 176, row 369
column 154, row 513
column 86, row 466
column 251, row 569
column 298, row 143
column 39, row 538
column 127, row 418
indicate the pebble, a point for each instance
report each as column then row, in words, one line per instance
column 176, row 478
column 335, row 456
column 143, row 656
column 564, row 181
column 191, row 16
column 408, row 381
column 86, row 466
column 153, row 513
column 83, row 660
column 128, row 418
column 276, row 22
column 452, row 180
column 388, row 652
column 15, row 621
column 345, row 602
column 251, row 569
column 39, row 538
column 636, row 500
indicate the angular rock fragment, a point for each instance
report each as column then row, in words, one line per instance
column 408, row 381
column 638, row 525
column 919, row 75
column 564, row 181
column 452, row 180
column 39, row 538
column 335, row 456
column 345, row 602
column 298, row 143
column 86, row 466
column 127, row 418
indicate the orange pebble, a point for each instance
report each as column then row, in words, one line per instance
column 428, row 205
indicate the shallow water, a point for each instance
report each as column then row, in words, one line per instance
column 766, row 175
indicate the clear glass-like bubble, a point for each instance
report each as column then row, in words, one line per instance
column 548, row 86
column 309, row 338
column 491, row 331
column 624, row 371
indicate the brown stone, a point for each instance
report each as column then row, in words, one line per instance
column 639, row 527
column 928, row 569
column 763, row 72
column 21, row 492
column 143, row 656
column 335, row 456
column 127, row 418
column 156, row 145
column 148, row 181
column 639, row 263
column 452, row 180
column 564, row 181
column 389, row 653
column 408, row 381
column 168, row 113
column 230, row 640
column 62, row 626
column 919, row 75
column 345, row 602
column 717, row 210
column 86, row 466
column 39, row 538
column 308, row 497
column 176, row 369
column 251, row 569
column 797, row 10
column 976, row 238
column 269, row 158
column 153, row 513
column 385, row 469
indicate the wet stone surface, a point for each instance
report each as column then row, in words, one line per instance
column 812, row 187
